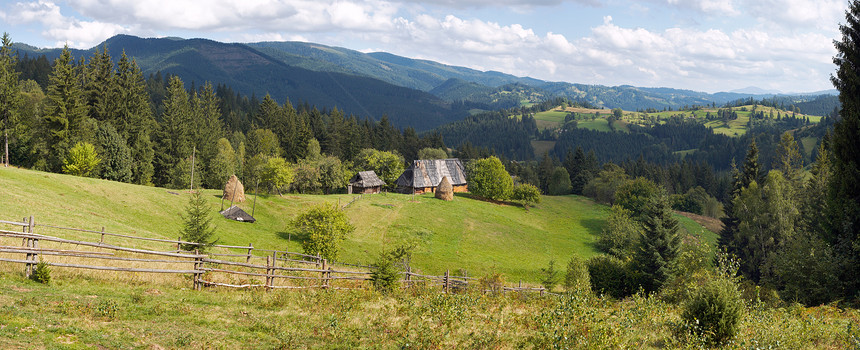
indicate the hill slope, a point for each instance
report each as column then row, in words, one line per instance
column 464, row 234
column 253, row 72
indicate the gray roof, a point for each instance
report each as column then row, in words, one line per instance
column 366, row 179
column 429, row 172
column 236, row 213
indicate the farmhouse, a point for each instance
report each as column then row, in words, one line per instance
column 424, row 176
column 365, row 182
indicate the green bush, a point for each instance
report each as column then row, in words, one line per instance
column 321, row 229
column 714, row 311
column 385, row 277
column 549, row 276
column 609, row 275
column 577, row 278
column 41, row 273
column 527, row 194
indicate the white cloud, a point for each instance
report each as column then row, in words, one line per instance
column 59, row 28
column 707, row 7
column 821, row 14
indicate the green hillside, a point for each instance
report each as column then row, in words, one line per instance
column 468, row 234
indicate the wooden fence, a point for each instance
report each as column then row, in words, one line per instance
column 282, row 269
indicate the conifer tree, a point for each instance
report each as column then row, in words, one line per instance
column 174, row 142
column 10, row 93
column 659, row 244
column 65, row 117
column 844, row 189
column 197, row 226
column 134, row 121
column 100, row 88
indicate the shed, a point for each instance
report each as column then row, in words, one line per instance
column 425, row 175
column 236, row 213
column 365, row 182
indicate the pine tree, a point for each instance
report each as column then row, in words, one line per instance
column 844, row 189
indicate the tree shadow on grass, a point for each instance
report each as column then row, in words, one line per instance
column 594, row 228
column 482, row 199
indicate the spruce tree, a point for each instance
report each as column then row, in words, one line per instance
column 134, row 120
column 844, row 189
column 173, row 137
column 65, row 115
column 10, row 92
column 659, row 244
column 197, row 226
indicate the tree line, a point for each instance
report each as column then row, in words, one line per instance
column 151, row 131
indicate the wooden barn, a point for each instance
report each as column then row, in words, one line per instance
column 424, row 176
column 365, row 182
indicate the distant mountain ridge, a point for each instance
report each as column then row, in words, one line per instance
column 412, row 92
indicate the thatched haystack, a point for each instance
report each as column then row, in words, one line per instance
column 445, row 191
column 234, row 191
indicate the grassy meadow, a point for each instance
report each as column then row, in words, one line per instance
column 554, row 118
column 465, row 234
column 92, row 314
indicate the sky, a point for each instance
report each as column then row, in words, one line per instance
column 701, row 45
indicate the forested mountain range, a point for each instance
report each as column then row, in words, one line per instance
column 416, row 93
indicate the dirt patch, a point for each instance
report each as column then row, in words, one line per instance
column 711, row 224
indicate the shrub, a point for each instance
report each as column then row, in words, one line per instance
column 577, row 278
column 322, row 228
column 714, row 311
column 82, row 160
column 549, row 276
column 621, row 234
column 41, row 273
column 610, row 275
column 493, row 282
column 527, row 194
column 559, row 182
column 385, row 277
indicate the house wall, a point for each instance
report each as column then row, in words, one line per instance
column 461, row 188
column 367, row 190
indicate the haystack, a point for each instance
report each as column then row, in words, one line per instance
column 445, row 191
column 234, row 191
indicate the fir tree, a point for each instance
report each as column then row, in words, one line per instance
column 197, row 226
column 174, row 142
column 10, row 93
column 659, row 244
column 134, row 121
column 844, row 189
column 66, row 111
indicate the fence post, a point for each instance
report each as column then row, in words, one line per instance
column 178, row 246
column 102, row 240
column 269, row 262
column 196, row 270
column 409, row 276
column 250, row 248
column 323, row 274
column 447, row 272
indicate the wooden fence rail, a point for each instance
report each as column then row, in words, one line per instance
column 205, row 269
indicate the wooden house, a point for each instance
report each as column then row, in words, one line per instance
column 424, row 176
column 365, row 182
